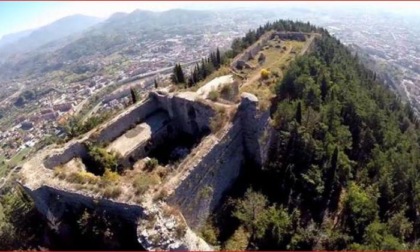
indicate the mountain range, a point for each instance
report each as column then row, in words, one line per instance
column 28, row 40
column 69, row 39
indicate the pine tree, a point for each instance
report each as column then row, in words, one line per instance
column 213, row 59
column 218, row 59
column 324, row 87
column 299, row 113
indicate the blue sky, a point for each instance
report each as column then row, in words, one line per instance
column 18, row 16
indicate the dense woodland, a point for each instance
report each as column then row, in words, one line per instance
column 343, row 171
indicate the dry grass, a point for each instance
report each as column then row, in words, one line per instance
column 112, row 192
column 161, row 195
column 218, row 120
column 144, row 181
column 277, row 59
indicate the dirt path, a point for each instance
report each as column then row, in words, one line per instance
column 307, row 44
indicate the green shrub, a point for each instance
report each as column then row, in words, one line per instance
column 82, row 178
column 238, row 241
column 110, row 176
column 209, row 234
column 101, row 159
column 213, row 95
column 151, row 164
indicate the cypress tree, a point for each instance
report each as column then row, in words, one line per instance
column 133, row 96
column 181, row 76
column 218, row 60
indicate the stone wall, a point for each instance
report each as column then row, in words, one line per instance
column 200, row 193
column 144, row 148
column 70, row 151
column 298, row 36
column 52, row 203
column 127, row 120
column 188, row 114
column 246, row 140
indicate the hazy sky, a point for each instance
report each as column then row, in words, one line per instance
column 18, row 16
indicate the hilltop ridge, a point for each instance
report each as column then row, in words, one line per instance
column 298, row 146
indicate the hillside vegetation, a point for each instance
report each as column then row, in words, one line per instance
column 343, row 171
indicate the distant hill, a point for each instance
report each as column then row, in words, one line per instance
column 85, row 36
column 112, row 34
column 29, row 40
column 122, row 32
column 13, row 37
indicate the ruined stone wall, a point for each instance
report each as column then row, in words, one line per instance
column 246, row 141
column 255, row 125
column 189, row 115
column 72, row 150
column 123, row 123
column 200, row 193
column 298, row 36
column 52, row 203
